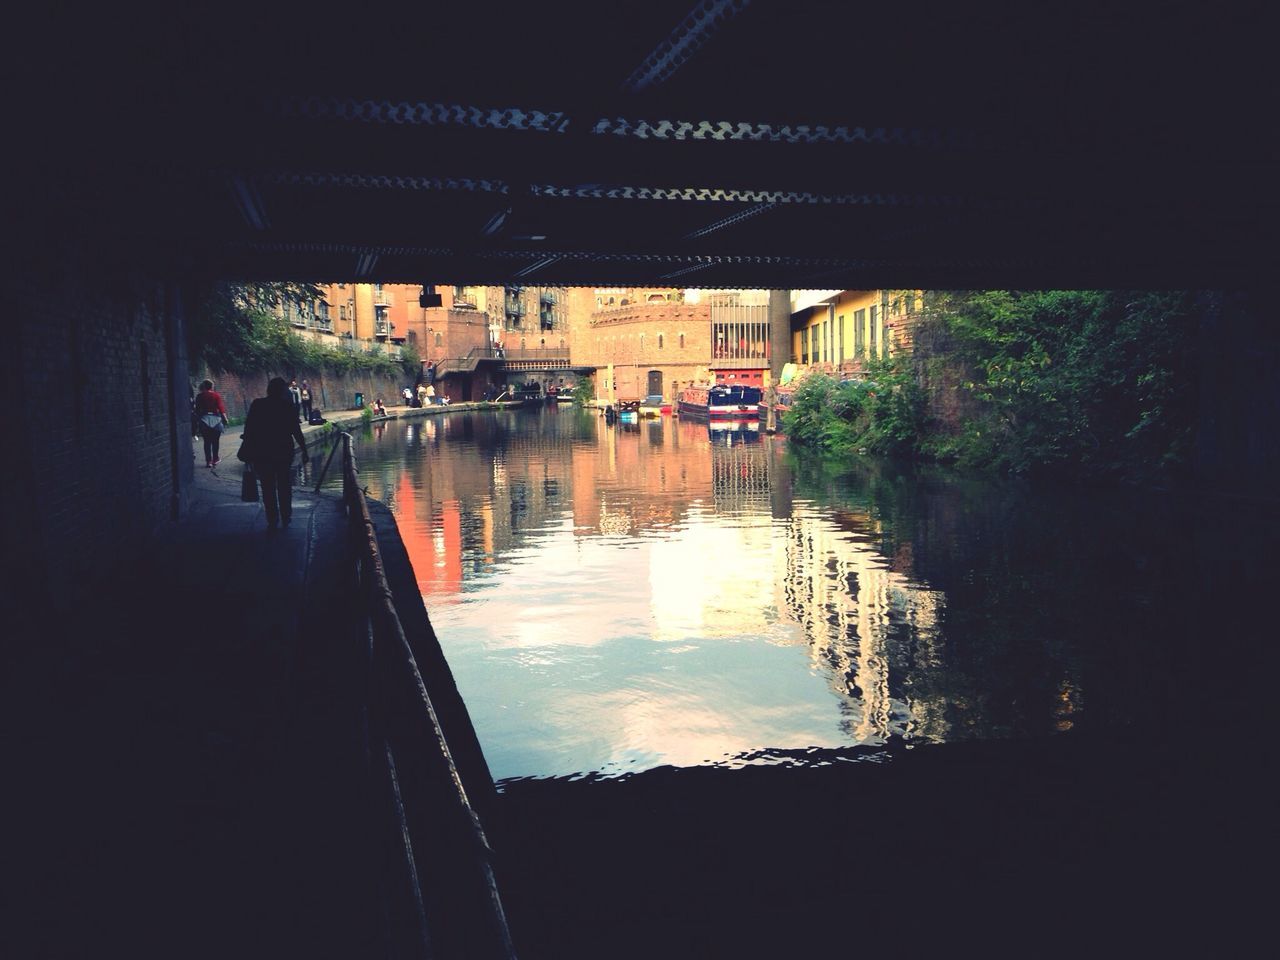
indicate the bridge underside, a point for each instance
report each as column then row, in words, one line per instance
column 718, row 143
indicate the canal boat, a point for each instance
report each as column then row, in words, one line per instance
column 629, row 411
column 654, row 406
column 720, row 402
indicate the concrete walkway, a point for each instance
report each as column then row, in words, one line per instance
column 197, row 785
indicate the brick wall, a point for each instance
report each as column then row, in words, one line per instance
column 671, row 338
column 330, row 391
column 91, row 471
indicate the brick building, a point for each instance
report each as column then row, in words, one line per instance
column 658, row 340
column 643, row 341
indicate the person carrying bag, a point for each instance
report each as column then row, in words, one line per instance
column 270, row 430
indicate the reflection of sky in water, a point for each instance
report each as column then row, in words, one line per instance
column 613, row 601
column 630, row 660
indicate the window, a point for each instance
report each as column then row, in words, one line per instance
column 439, row 340
column 659, row 341
column 859, row 333
column 804, row 348
column 872, row 340
column 682, row 341
column 840, row 350
column 813, row 342
column 342, row 311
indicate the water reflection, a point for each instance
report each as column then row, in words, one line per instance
column 617, row 597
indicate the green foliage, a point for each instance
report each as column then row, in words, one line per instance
column 583, row 393
column 1097, row 382
column 366, row 414
column 410, row 361
column 881, row 414
column 235, row 327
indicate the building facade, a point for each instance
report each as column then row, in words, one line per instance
column 645, row 341
column 840, row 331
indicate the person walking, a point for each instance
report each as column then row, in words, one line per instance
column 270, row 430
column 305, row 392
column 295, row 395
column 211, row 417
column 422, row 394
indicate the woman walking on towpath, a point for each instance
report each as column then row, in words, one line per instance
column 270, row 430
column 211, row 417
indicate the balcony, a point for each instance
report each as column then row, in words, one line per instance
column 548, row 296
column 381, row 298
column 382, row 328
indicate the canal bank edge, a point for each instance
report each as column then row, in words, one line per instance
column 451, row 711
column 313, row 433
column 437, row 678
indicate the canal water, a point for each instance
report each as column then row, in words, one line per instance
column 613, row 599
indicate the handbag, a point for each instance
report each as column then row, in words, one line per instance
column 249, row 485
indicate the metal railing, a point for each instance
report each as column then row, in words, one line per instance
column 441, row 895
column 536, row 353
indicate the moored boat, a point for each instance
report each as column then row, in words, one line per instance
column 629, row 411
column 720, row 402
column 654, row 406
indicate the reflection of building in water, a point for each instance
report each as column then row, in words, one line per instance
column 874, row 629
column 739, row 472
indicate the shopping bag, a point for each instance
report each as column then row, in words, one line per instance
column 249, row 485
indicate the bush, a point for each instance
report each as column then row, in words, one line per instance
column 583, row 393
column 879, row 415
column 1099, row 382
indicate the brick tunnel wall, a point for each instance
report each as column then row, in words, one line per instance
column 91, row 471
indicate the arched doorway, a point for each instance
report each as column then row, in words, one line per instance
column 655, row 383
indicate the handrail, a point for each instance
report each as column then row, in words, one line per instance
column 445, row 899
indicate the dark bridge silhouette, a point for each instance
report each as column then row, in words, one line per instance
column 708, row 143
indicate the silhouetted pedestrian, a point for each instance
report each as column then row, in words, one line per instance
column 270, row 430
column 211, row 417
column 295, row 396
